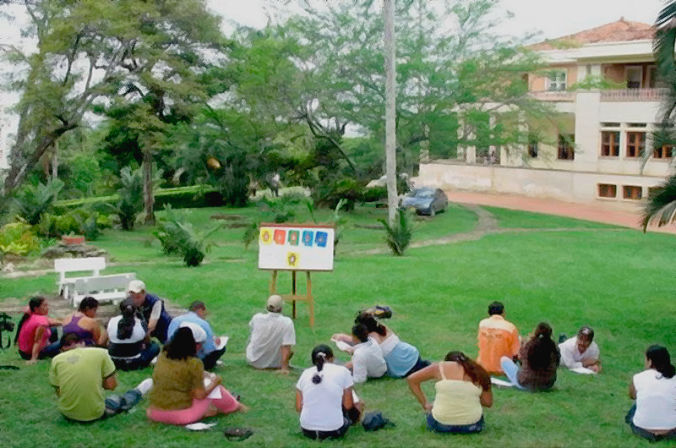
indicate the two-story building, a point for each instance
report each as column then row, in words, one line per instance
column 601, row 83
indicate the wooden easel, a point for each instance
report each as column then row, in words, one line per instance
column 294, row 296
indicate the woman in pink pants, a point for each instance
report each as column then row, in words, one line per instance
column 179, row 396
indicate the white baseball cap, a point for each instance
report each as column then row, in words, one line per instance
column 198, row 332
column 136, row 286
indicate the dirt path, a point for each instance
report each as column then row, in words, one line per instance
column 595, row 213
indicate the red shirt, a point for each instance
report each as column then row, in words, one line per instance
column 27, row 333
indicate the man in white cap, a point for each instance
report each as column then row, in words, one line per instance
column 152, row 309
column 271, row 339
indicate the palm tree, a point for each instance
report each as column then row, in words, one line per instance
column 661, row 206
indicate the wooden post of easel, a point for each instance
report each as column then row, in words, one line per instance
column 294, row 293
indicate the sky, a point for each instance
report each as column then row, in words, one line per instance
column 548, row 18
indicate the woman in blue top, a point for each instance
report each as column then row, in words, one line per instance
column 402, row 359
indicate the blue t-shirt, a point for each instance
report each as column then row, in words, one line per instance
column 208, row 346
column 401, row 359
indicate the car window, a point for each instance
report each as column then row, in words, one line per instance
column 423, row 193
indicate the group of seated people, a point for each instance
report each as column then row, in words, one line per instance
column 181, row 390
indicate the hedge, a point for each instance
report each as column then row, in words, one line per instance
column 180, row 197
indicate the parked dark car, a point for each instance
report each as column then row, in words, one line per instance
column 426, row 201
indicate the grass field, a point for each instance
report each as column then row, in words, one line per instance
column 571, row 273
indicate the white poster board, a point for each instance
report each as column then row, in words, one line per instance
column 295, row 247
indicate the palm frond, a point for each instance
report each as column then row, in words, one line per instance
column 661, row 206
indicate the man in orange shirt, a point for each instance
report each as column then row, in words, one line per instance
column 497, row 338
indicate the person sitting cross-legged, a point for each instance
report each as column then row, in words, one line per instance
column 130, row 346
column 209, row 353
column 79, row 375
column 462, row 388
column 272, row 337
column 151, row 308
column 581, row 351
column 179, row 395
column 497, row 337
column 653, row 416
column 84, row 323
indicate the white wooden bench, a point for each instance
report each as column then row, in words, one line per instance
column 63, row 266
column 104, row 288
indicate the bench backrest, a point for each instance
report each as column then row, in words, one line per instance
column 116, row 282
column 66, row 265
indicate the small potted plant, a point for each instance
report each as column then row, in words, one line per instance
column 72, row 240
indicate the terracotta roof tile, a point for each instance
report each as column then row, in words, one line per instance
column 622, row 30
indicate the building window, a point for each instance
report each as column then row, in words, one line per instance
column 610, row 143
column 566, row 149
column 665, row 152
column 607, row 191
column 635, row 144
column 634, row 76
column 632, row 192
column 556, row 81
column 533, row 146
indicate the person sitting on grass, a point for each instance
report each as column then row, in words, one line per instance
column 151, row 308
column 79, row 374
column 34, row 335
column 272, row 338
column 179, row 395
column 325, row 399
column 402, row 359
column 581, row 351
column 209, row 354
column 83, row 322
column 130, row 346
column 462, row 388
column 367, row 358
column 496, row 338
column 539, row 358
column 653, row 416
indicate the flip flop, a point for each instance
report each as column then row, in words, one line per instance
column 237, row 434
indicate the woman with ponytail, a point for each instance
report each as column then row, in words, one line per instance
column 130, row 346
column 462, row 387
column 539, row 358
column 324, row 397
column 33, row 336
column 653, row 416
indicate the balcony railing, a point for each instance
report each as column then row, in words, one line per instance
column 553, row 95
column 656, row 94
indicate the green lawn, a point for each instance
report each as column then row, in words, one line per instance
column 619, row 281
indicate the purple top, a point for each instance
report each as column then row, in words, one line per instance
column 73, row 327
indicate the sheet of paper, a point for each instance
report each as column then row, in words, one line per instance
column 342, row 345
column 216, row 393
column 223, row 343
column 502, row 383
column 583, row 371
column 199, row 426
column 355, row 397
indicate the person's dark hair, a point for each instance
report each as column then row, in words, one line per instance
column 69, row 339
column 541, row 349
column 197, row 305
column 477, row 374
column 33, row 304
column 88, row 303
column 660, row 360
column 371, row 323
column 182, row 345
column 495, row 308
column 586, row 333
column 320, row 354
column 125, row 327
column 361, row 332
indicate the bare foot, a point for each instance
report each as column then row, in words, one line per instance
column 243, row 408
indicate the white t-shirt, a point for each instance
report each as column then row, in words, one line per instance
column 368, row 361
column 137, row 334
column 269, row 331
column 323, row 403
column 571, row 356
column 655, row 400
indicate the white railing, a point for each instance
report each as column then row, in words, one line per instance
column 553, row 95
column 655, row 94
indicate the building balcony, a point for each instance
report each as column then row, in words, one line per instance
column 554, row 95
column 654, row 94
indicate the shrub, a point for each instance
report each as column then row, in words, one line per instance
column 374, row 194
column 34, row 200
column 130, row 197
column 398, row 235
column 178, row 236
column 17, row 238
column 81, row 221
column 331, row 193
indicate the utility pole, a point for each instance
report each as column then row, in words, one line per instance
column 390, row 111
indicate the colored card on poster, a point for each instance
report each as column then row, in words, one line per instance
column 307, row 237
column 321, row 238
column 280, row 236
column 293, row 237
column 266, row 236
column 292, row 259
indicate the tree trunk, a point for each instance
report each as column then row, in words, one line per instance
column 148, row 199
column 390, row 111
column 55, row 161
